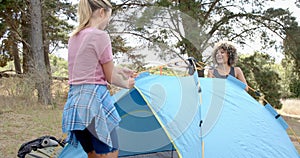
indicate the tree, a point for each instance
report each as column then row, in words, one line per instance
column 39, row 71
column 56, row 29
column 15, row 21
column 292, row 55
column 258, row 72
column 49, row 32
column 190, row 27
column 9, row 46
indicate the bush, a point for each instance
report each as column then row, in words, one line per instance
column 295, row 88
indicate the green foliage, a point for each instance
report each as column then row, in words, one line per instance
column 292, row 55
column 59, row 66
column 259, row 74
column 3, row 60
column 284, row 69
column 164, row 3
column 57, row 26
column 292, row 47
column 295, row 88
column 15, row 23
column 118, row 45
column 5, row 55
column 7, row 9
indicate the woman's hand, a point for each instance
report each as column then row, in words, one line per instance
column 121, row 77
column 131, row 75
column 126, row 73
column 131, row 83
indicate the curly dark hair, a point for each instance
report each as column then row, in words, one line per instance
column 229, row 48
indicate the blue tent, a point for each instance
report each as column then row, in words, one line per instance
column 193, row 117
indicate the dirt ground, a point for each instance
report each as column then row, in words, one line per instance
column 294, row 124
column 291, row 114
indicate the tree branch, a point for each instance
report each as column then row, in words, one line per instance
column 211, row 8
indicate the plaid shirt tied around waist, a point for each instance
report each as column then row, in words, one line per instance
column 85, row 103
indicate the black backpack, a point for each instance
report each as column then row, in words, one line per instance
column 42, row 147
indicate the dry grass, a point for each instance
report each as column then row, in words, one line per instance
column 291, row 107
column 20, row 125
column 22, row 119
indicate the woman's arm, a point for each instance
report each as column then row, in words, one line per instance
column 117, row 76
column 210, row 74
column 240, row 76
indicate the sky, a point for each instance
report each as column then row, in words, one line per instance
column 250, row 48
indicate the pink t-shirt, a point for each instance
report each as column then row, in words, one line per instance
column 87, row 50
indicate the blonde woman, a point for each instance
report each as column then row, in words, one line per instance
column 89, row 116
column 224, row 57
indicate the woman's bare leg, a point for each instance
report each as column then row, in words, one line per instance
column 92, row 154
column 108, row 155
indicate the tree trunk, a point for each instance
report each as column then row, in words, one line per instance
column 46, row 51
column 193, row 35
column 27, row 55
column 15, row 53
column 41, row 77
column 192, row 32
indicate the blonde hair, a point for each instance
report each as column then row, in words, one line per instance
column 229, row 48
column 85, row 11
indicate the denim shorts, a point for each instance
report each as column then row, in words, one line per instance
column 90, row 142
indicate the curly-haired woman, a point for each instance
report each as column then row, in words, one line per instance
column 224, row 57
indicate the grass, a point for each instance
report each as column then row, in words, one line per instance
column 22, row 119
column 21, row 125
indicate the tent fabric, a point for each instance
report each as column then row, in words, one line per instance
column 177, row 120
column 240, row 127
column 138, row 127
column 69, row 151
column 164, row 114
